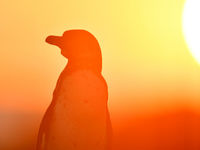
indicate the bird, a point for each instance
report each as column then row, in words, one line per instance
column 77, row 117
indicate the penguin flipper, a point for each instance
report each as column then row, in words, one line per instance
column 41, row 136
column 41, row 140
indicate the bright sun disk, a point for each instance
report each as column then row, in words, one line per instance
column 191, row 27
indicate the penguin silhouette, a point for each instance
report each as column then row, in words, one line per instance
column 78, row 116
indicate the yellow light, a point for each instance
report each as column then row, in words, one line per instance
column 191, row 27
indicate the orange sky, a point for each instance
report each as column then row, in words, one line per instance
column 146, row 62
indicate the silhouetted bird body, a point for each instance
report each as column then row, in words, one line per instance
column 77, row 118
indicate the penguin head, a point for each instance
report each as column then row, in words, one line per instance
column 78, row 45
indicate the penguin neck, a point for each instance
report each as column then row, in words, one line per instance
column 84, row 64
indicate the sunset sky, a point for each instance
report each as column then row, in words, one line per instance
column 146, row 61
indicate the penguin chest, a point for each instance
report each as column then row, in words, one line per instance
column 79, row 112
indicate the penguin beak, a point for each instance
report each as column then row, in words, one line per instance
column 54, row 40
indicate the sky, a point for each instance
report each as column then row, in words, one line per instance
column 148, row 67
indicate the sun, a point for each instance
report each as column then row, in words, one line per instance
column 191, row 27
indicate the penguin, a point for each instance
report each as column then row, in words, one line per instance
column 78, row 116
